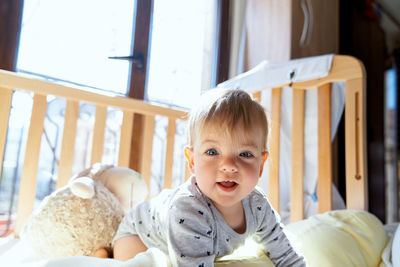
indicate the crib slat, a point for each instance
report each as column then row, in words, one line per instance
column 257, row 96
column 296, row 196
column 68, row 143
column 27, row 188
column 98, row 134
column 5, row 106
column 324, row 149
column 148, row 135
column 273, row 187
column 187, row 172
column 125, row 139
column 356, row 163
column 169, row 155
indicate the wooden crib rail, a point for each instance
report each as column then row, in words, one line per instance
column 10, row 81
column 344, row 69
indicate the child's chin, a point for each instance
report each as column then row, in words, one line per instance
column 227, row 203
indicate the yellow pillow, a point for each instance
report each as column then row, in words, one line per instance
column 339, row 238
column 335, row 238
column 245, row 261
column 250, row 255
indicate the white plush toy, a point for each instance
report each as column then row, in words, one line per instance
column 81, row 219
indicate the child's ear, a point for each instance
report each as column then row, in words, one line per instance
column 189, row 155
column 265, row 156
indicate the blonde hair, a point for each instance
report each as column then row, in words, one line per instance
column 227, row 109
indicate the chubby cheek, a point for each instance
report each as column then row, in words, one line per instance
column 251, row 168
column 251, row 177
column 206, row 174
column 204, row 168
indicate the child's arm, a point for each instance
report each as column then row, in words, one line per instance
column 190, row 236
column 279, row 250
column 126, row 243
column 127, row 247
column 274, row 241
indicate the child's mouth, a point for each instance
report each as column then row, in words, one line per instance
column 227, row 186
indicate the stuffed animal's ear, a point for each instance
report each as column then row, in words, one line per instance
column 82, row 187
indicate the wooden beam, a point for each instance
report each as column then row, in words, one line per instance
column 324, row 149
column 98, row 135
column 125, row 139
column 146, row 154
column 297, row 188
column 356, row 157
column 169, row 154
column 5, row 107
column 68, row 143
column 27, row 188
column 274, row 155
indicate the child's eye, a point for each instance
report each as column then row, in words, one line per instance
column 212, row 152
column 246, row 154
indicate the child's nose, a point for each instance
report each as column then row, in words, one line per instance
column 228, row 165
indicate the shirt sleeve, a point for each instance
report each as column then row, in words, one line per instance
column 190, row 234
column 126, row 227
column 272, row 238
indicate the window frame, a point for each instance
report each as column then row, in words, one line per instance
column 137, row 83
column 10, row 27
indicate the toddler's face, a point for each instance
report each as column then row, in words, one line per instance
column 227, row 167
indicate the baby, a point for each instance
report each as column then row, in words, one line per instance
column 213, row 213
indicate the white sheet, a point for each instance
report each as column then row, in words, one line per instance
column 268, row 75
column 392, row 256
column 17, row 253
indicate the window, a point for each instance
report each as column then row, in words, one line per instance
column 182, row 50
column 72, row 41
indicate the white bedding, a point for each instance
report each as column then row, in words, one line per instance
column 369, row 241
column 15, row 252
column 152, row 257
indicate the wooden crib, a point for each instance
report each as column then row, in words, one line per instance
column 344, row 68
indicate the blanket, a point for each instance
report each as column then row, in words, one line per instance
column 335, row 238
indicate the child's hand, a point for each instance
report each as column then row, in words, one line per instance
column 101, row 253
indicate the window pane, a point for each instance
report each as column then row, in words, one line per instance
column 71, row 40
column 182, row 50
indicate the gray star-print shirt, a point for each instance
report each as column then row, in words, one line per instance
column 185, row 224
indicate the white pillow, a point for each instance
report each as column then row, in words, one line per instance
column 396, row 248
